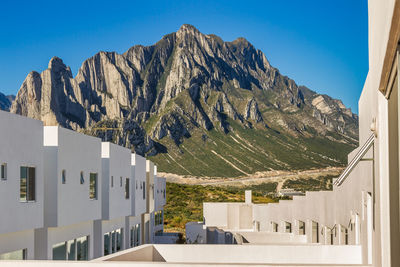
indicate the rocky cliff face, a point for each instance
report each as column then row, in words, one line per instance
column 154, row 98
column 6, row 101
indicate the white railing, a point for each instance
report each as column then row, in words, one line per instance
column 353, row 163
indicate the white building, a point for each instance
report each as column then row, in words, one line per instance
column 356, row 224
column 72, row 198
column 21, row 185
column 68, row 196
column 111, row 231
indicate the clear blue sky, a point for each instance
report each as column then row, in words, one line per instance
column 320, row 44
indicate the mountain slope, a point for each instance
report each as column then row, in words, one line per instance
column 6, row 101
column 197, row 105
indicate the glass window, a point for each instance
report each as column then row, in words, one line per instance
column 315, row 237
column 71, row 250
column 288, row 227
column 93, row 186
column 63, row 176
column 15, row 255
column 274, row 227
column 127, row 188
column 3, row 171
column 107, row 244
column 137, row 240
column 113, row 241
column 27, row 184
column 59, row 251
column 344, row 235
column 82, row 248
column 120, row 181
column 112, row 181
column 82, row 178
column 119, row 239
column 144, row 190
column 23, row 184
column 132, row 237
column 136, row 184
column 302, row 228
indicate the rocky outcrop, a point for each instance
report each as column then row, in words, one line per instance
column 252, row 112
column 6, row 101
column 185, row 82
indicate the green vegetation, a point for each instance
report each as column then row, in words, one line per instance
column 310, row 184
column 213, row 153
column 185, row 202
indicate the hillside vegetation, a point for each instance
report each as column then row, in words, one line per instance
column 185, row 202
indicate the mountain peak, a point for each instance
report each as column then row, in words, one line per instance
column 56, row 62
column 188, row 29
column 180, row 88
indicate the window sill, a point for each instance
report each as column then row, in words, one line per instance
column 30, row 201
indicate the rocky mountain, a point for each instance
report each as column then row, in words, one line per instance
column 6, row 101
column 196, row 104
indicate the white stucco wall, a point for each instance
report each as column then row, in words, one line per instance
column 10, row 242
column 116, row 162
column 69, row 203
column 139, row 173
column 20, row 145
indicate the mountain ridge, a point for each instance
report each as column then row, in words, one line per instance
column 183, row 90
column 6, row 101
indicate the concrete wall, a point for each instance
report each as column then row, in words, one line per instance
column 160, row 192
column 46, row 238
column 131, row 221
column 116, row 163
column 10, row 242
column 20, row 145
column 259, row 254
column 196, row 233
column 139, row 175
column 74, row 153
column 150, row 173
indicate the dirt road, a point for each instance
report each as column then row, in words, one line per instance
column 254, row 179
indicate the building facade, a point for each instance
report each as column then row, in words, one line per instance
column 68, row 196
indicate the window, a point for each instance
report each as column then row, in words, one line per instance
column 59, row 251
column 315, row 237
column 63, row 177
column 302, row 228
column 82, row 248
column 127, row 188
column 15, row 255
column 93, row 186
column 120, row 181
column 113, row 241
column 164, row 193
column 135, row 235
column 344, row 236
column 158, row 217
column 75, row 249
column 71, row 250
column 107, row 244
column 274, row 227
column 27, row 184
column 118, row 233
column 82, row 178
column 136, row 184
column 3, row 173
column 144, row 190
column 112, row 181
column 288, row 227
